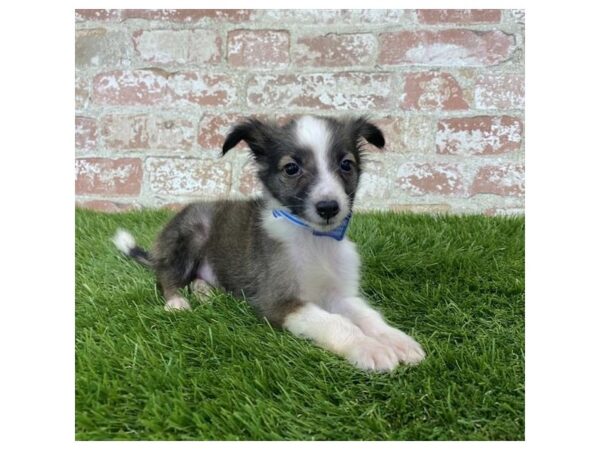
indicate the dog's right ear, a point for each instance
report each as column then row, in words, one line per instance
column 362, row 127
column 253, row 132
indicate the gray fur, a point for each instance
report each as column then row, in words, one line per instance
column 227, row 235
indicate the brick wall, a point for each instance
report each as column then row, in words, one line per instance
column 157, row 89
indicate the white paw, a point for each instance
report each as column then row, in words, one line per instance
column 200, row 288
column 369, row 354
column 177, row 304
column 406, row 348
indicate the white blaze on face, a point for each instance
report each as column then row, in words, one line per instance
column 315, row 135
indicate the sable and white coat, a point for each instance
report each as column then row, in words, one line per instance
column 302, row 282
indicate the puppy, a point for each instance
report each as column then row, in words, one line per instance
column 286, row 253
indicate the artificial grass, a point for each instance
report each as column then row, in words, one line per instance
column 218, row 373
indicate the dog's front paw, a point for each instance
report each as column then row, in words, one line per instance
column 369, row 354
column 406, row 348
column 177, row 304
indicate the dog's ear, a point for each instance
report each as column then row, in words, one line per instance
column 253, row 132
column 362, row 127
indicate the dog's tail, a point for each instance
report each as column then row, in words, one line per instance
column 125, row 242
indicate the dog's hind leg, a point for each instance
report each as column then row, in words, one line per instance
column 171, row 281
column 201, row 289
column 176, row 302
column 179, row 251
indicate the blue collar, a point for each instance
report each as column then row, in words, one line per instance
column 337, row 233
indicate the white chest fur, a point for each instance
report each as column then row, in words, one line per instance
column 325, row 269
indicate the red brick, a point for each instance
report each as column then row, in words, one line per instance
column 460, row 16
column 339, row 91
column 107, row 206
column 406, row 134
column 172, row 133
column 99, row 47
column 156, row 86
column 249, row 184
column 333, row 50
column 202, row 89
column 429, row 178
column 376, row 183
column 433, row 91
column 130, row 87
column 142, row 131
column 258, row 48
column 178, row 46
column 97, row 14
column 197, row 177
column 335, row 16
column 121, row 132
column 189, row 15
column 86, row 134
column 500, row 91
column 100, row 176
column 504, row 180
column 307, row 16
column 82, row 91
column 445, row 48
column 481, row 135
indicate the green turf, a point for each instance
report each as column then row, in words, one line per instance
column 455, row 283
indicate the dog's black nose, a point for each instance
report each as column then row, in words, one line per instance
column 327, row 208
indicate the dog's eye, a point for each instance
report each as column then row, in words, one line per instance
column 346, row 165
column 291, row 169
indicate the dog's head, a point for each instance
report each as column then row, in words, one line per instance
column 310, row 166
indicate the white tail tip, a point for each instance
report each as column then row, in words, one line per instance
column 124, row 241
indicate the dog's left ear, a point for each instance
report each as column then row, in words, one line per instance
column 362, row 127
